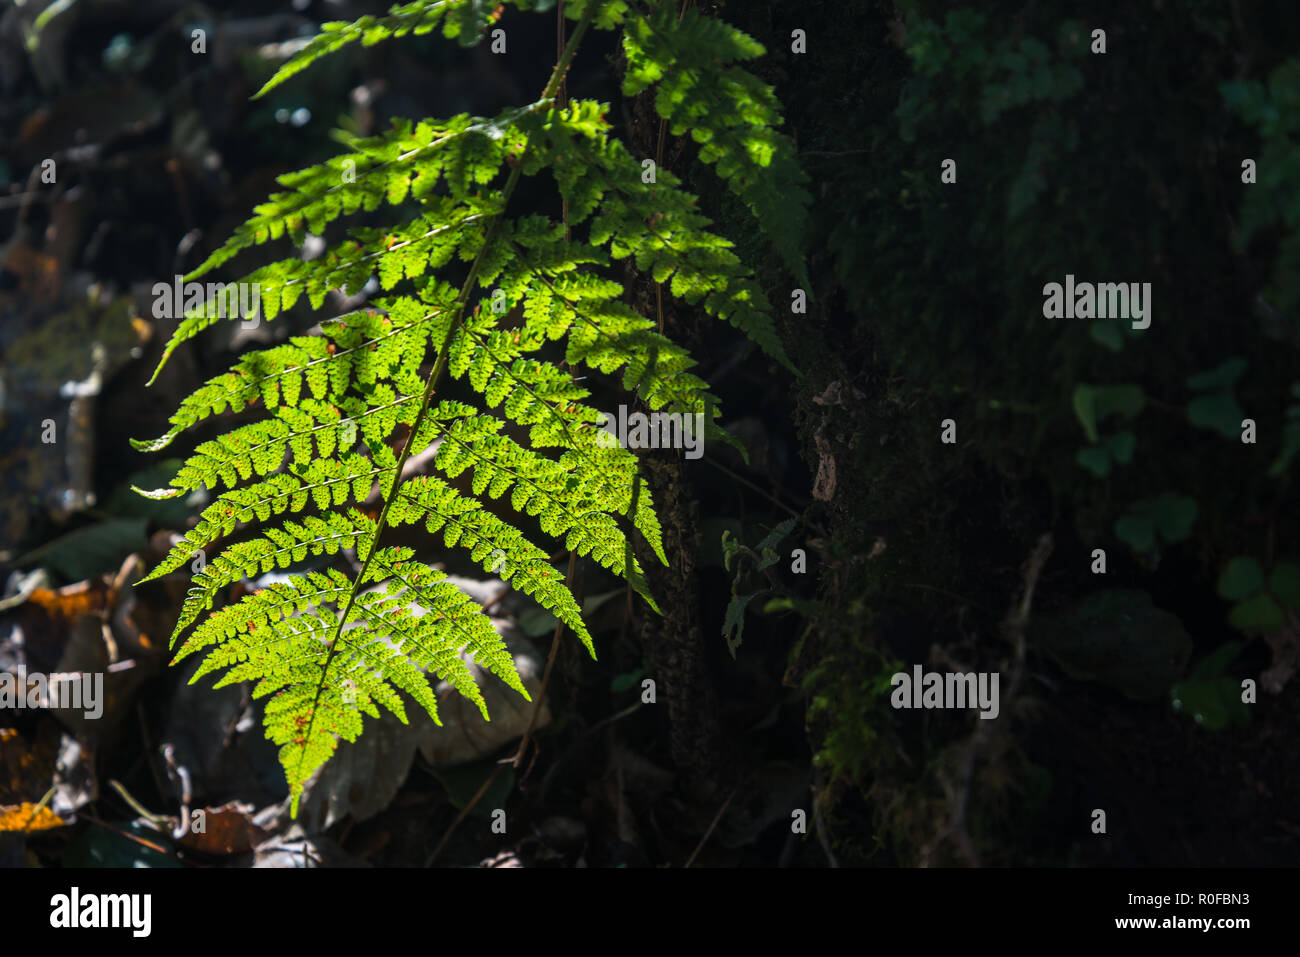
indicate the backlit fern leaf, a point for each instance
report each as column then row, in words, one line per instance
column 460, row 20
column 304, row 489
column 729, row 111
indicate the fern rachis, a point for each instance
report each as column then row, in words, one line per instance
column 327, row 646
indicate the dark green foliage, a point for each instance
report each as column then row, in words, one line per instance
column 756, row 560
column 1118, row 167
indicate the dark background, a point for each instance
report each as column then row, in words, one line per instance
column 926, row 305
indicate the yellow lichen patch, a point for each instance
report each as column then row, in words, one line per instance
column 28, row 817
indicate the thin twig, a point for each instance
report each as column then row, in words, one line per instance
column 558, row 763
column 950, row 594
column 36, row 808
column 495, row 600
column 707, row 834
column 744, row 481
column 611, row 718
column 140, row 809
column 819, row 824
column 1014, row 628
column 126, row 834
column 463, row 814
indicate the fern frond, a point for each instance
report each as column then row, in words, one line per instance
column 728, row 111
column 364, row 345
column 462, row 616
column 407, row 160
column 347, row 625
column 324, row 483
column 279, row 547
column 573, row 499
column 657, row 223
column 461, row 20
column 497, row 546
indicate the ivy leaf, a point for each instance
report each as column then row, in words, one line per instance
column 626, row 682
column 1241, row 578
column 1260, row 613
column 1212, row 665
column 1092, row 404
column 1290, row 449
column 1213, row 703
column 1085, row 410
column 1138, row 531
column 90, row 550
column 1218, row 412
column 1174, row 516
column 1095, row 459
column 1107, row 333
column 767, row 547
column 1223, row 377
column 1290, row 437
column 734, row 620
column 1121, row 446
column 1210, row 698
column 1170, row 515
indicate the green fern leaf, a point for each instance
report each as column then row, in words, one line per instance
column 332, row 624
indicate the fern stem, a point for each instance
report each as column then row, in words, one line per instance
column 552, row 85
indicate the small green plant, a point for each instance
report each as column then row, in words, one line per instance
column 1092, row 404
column 1212, row 699
column 1259, row 603
column 759, row 560
column 1215, row 407
column 346, row 409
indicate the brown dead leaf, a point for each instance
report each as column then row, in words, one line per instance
column 73, row 601
column 18, row 765
column 37, row 274
column 53, row 758
column 228, row 829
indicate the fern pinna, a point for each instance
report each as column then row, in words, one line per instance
column 329, row 647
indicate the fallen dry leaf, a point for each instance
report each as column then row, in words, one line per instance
column 228, row 829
